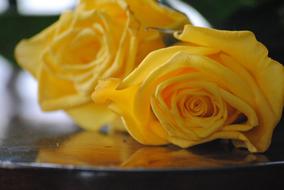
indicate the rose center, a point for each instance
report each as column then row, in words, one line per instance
column 87, row 52
column 199, row 106
column 84, row 48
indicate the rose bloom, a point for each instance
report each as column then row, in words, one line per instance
column 99, row 39
column 213, row 85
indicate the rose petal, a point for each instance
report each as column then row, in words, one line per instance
column 91, row 116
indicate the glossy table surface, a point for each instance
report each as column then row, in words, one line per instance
column 86, row 149
column 66, row 157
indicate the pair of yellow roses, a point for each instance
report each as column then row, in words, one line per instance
column 212, row 85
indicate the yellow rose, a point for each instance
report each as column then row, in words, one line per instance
column 214, row 85
column 99, row 39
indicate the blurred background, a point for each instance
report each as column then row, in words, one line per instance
column 23, row 18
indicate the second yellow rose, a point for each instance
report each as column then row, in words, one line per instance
column 99, row 39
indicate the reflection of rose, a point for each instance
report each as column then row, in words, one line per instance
column 216, row 85
column 119, row 150
column 89, row 148
column 99, row 39
column 162, row 157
